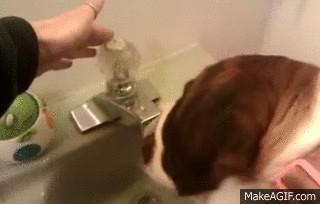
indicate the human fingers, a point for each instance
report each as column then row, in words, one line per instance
column 95, row 6
column 87, row 11
column 83, row 53
column 99, row 35
column 62, row 63
column 97, row 3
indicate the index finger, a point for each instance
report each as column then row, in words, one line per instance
column 97, row 3
column 95, row 6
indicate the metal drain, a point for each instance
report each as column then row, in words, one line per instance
column 148, row 199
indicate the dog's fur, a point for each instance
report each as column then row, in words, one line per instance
column 240, row 121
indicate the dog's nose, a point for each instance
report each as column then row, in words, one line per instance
column 148, row 145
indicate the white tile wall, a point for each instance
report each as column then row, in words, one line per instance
column 294, row 30
column 158, row 28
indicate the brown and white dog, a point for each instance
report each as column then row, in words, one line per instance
column 235, row 126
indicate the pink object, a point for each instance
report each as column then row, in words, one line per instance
column 304, row 165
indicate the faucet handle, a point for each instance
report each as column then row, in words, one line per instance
column 122, row 59
column 119, row 59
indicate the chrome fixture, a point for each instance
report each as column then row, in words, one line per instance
column 123, row 92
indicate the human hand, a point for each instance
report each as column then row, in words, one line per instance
column 70, row 35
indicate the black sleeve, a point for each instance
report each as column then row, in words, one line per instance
column 19, row 53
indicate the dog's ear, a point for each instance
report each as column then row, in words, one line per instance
column 215, row 128
column 228, row 164
column 243, row 110
column 188, row 85
column 210, row 135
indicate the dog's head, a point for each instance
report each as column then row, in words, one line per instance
column 214, row 130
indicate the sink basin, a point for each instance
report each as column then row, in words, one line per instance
column 102, row 165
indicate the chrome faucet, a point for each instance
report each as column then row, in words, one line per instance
column 123, row 92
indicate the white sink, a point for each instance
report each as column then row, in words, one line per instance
column 101, row 166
